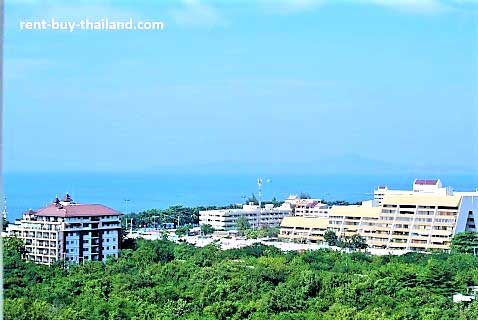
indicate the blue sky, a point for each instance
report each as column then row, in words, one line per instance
column 245, row 86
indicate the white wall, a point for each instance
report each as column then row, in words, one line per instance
column 468, row 203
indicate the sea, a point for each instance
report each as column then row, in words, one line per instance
column 135, row 192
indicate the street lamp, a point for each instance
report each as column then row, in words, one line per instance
column 154, row 222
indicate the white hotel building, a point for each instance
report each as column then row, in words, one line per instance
column 226, row 219
column 65, row 230
column 307, row 207
column 424, row 218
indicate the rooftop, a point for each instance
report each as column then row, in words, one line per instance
column 68, row 208
column 422, row 200
column 76, row 210
column 426, row 182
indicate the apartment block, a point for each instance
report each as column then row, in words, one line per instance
column 307, row 207
column 226, row 219
column 65, row 230
column 424, row 218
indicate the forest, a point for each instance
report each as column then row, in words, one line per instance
column 166, row 280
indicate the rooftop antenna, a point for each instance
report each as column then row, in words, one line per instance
column 5, row 208
column 126, row 205
column 259, row 187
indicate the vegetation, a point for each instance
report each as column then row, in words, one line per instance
column 183, row 230
column 242, row 225
column 244, row 228
column 261, row 233
column 158, row 217
column 206, row 229
column 354, row 242
column 4, row 223
column 252, row 199
column 465, row 242
column 331, row 238
column 190, row 215
column 163, row 280
column 304, row 195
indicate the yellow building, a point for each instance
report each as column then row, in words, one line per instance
column 422, row 219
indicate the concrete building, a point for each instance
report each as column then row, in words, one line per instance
column 226, row 219
column 430, row 187
column 424, row 218
column 307, row 207
column 65, row 230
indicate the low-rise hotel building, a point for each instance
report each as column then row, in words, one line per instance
column 65, row 230
column 307, row 207
column 423, row 218
column 226, row 219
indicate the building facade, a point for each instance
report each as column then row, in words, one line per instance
column 424, row 218
column 69, row 231
column 307, row 207
column 226, row 219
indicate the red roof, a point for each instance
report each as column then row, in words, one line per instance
column 76, row 210
column 426, row 182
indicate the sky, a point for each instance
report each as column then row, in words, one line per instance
column 353, row 86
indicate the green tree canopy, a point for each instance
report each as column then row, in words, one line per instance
column 166, row 280
column 207, row 229
column 465, row 242
column 183, row 230
column 242, row 224
column 331, row 238
column 357, row 242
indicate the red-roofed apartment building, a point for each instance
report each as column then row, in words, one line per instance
column 65, row 230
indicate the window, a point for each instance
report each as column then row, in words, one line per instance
column 114, row 247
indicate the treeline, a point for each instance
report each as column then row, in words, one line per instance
column 190, row 215
column 163, row 280
column 174, row 214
